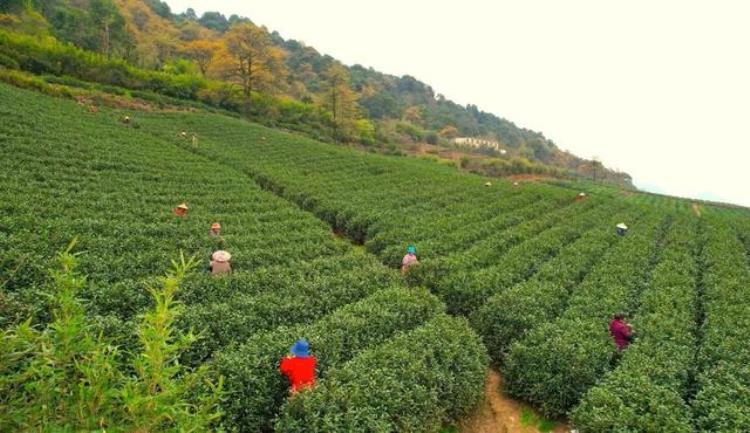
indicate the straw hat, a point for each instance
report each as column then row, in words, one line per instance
column 182, row 205
column 622, row 226
column 582, row 194
column 216, row 226
column 221, row 256
column 488, row 184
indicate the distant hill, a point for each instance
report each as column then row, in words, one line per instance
column 354, row 104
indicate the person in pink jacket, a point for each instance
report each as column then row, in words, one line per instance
column 410, row 259
column 621, row 331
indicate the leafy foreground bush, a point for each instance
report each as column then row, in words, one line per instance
column 413, row 383
column 65, row 378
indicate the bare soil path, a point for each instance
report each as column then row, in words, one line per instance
column 500, row 414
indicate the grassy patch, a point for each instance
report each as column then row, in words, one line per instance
column 530, row 419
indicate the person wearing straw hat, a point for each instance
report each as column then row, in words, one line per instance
column 181, row 210
column 410, row 259
column 215, row 230
column 219, row 263
column 622, row 229
column 299, row 367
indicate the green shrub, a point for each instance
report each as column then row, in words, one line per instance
column 412, row 383
column 649, row 388
column 506, row 316
column 553, row 365
column 256, row 389
column 66, row 377
column 243, row 315
column 723, row 372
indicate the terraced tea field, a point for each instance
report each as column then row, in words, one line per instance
column 526, row 274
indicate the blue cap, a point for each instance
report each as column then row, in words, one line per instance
column 301, row 348
column 411, row 249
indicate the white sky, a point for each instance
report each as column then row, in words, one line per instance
column 659, row 89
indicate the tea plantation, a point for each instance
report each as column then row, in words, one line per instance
column 524, row 277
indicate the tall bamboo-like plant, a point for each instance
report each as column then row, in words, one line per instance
column 65, row 377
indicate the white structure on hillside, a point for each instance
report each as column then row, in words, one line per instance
column 479, row 142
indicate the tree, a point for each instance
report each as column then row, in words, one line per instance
column 251, row 59
column 214, row 21
column 413, row 115
column 449, row 132
column 190, row 15
column 596, row 167
column 340, row 100
column 161, row 8
column 202, row 52
column 111, row 26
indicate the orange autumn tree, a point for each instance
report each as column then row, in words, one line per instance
column 202, row 52
column 339, row 98
column 249, row 59
column 156, row 38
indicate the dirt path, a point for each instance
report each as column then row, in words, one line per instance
column 500, row 414
column 697, row 209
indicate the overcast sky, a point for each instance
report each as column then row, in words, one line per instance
column 659, row 89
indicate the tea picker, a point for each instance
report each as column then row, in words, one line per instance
column 219, row 263
column 410, row 259
column 488, row 184
column 181, row 210
column 621, row 331
column 622, row 229
column 215, row 230
column 299, row 367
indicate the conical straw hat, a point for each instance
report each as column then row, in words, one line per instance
column 221, row 256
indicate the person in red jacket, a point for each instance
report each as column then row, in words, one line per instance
column 299, row 367
column 621, row 331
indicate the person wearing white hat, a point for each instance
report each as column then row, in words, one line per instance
column 622, row 229
column 219, row 263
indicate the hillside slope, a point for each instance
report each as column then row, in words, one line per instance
column 350, row 103
column 537, row 271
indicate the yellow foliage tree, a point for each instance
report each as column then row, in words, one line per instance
column 339, row 98
column 449, row 132
column 156, row 39
column 202, row 52
column 250, row 60
column 413, row 115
